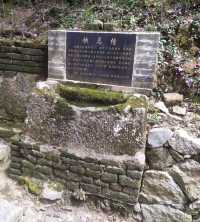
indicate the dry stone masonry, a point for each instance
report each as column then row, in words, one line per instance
column 114, row 179
column 24, row 57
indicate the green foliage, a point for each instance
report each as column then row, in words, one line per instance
column 128, row 3
column 153, row 118
column 67, row 21
column 22, row 2
column 89, row 16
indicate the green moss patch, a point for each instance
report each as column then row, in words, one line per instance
column 89, row 96
column 34, row 186
column 134, row 102
column 9, row 129
column 56, row 186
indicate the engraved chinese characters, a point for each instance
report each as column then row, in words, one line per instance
column 100, row 57
column 113, row 58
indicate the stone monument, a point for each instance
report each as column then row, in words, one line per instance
column 126, row 59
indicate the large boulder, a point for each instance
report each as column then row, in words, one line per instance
column 159, row 188
column 187, row 175
column 94, row 120
column 157, row 137
column 160, row 213
column 184, row 143
column 173, row 98
column 52, row 191
column 159, row 158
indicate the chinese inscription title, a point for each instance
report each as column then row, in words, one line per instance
column 100, row 57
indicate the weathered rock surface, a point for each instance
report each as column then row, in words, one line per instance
column 159, row 158
column 183, row 143
column 157, row 137
column 10, row 212
column 111, row 129
column 194, row 208
column 52, row 192
column 173, row 98
column 161, row 106
column 187, row 175
column 159, row 213
column 179, row 110
column 160, row 188
column 4, row 154
column 14, row 94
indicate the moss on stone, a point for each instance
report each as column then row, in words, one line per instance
column 34, row 186
column 6, row 132
column 89, row 96
column 9, row 129
column 134, row 102
column 62, row 107
column 56, row 186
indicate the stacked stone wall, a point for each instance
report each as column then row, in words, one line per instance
column 22, row 57
column 108, row 178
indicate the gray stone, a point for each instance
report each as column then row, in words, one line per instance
column 194, row 208
column 157, row 137
column 72, row 186
column 92, row 173
column 91, row 188
column 138, row 162
column 115, row 187
column 161, row 106
column 52, row 120
column 16, row 91
column 128, row 182
column 115, row 170
column 117, row 196
column 77, row 169
column 60, row 173
column 27, row 164
column 73, row 177
column 87, row 179
column 179, row 110
column 131, row 191
column 134, row 174
column 15, row 171
column 159, row 213
column 44, row 169
column 173, row 98
column 15, row 165
column 159, row 188
column 100, row 183
column 68, row 161
column 92, row 166
column 52, row 191
column 183, row 143
column 159, row 158
column 109, row 178
column 187, row 176
column 4, row 155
